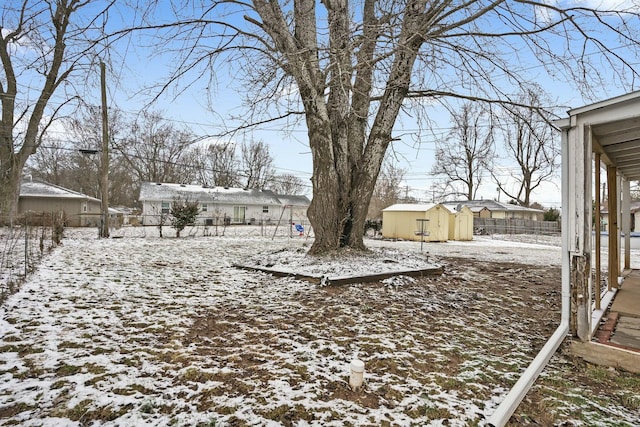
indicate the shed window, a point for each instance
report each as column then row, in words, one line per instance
column 165, row 207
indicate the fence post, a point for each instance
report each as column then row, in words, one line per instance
column 26, row 244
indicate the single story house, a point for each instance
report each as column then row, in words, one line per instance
column 634, row 208
column 419, row 222
column 294, row 208
column 41, row 198
column 221, row 205
column 495, row 209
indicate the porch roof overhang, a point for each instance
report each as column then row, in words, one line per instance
column 614, row 126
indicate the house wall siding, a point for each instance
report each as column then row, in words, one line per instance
column 72, row 208
column 216, row 212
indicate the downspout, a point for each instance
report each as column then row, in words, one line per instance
column 512, row 400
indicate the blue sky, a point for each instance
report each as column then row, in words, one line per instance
column 129, row 82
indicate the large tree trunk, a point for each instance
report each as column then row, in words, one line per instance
column 347, row 146
column 10, row 177
column 338, row 214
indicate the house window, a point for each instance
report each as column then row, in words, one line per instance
column 84, row 207
column 204, row 207
column 265, row 209
column 165, row 207
column 238, row 214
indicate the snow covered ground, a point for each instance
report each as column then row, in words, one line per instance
column 138, row 330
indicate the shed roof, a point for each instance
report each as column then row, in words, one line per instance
column 410, row 207
column 35, row 188
column 151, row 191
column 457, row 207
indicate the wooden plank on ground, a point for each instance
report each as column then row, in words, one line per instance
column 346, row 280
column 607, row 355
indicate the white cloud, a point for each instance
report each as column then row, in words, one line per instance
column 548, row 15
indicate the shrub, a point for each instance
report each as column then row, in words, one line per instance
column 183, row 213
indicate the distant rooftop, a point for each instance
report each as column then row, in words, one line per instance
column 152, row 191
column 35, row 188
column 493, row 205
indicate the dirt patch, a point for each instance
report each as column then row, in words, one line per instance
column 412, row 332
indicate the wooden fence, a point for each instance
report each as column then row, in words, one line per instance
column 514, row 226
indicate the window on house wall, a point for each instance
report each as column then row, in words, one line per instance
column 239, row 213
column 203, row 207
column 265, row 209
column 165, row 207
column 84, row 207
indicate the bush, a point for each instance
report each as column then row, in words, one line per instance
column 551, row 214
column 183, row 213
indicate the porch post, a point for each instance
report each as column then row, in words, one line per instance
column 619, row 214
column 598, row 236
column 579, row 230
column 626, row 222
column 614, row 231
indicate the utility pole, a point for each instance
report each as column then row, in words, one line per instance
column 104, row 163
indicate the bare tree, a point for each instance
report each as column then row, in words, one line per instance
column 155, row 149
column 257, row 164
column 215, row 165
column 466, row 153
column 530, row 142
column 349, row 68
column 51, row 163
column 387, row 191
column 43, row 47
column 287, row 184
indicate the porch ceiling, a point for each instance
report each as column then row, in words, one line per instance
column 619, row 142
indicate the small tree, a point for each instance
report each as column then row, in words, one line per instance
column 551, row 214
column 183, row 213
column 387, row 190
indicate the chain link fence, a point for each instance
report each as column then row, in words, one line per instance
column 23, row 246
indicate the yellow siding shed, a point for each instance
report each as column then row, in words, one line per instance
column 400, row 221
column 460, row 222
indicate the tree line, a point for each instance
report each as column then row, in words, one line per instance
column 149, row 147
column 485, row 138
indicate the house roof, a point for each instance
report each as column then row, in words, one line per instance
column 633, row 208
column 35, row 188
column 615, row 131
column 494, row 205
column 294, row 200
column 151, row 191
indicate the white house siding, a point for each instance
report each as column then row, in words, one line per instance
column 230, row 205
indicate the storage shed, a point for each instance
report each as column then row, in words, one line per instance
column 405, row 221
column 460, row 222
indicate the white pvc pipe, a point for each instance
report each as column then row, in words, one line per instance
column 511, row 401
column 356, row 378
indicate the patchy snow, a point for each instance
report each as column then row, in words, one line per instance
column 139, row 330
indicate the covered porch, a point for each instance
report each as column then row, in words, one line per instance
column 601, row 155
column 600, row 306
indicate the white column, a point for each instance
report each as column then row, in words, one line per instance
column 626, row 222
